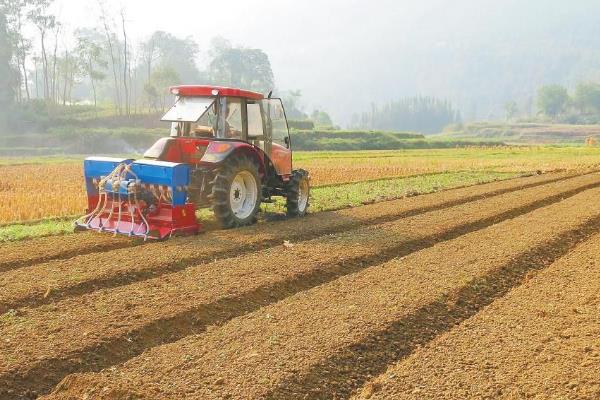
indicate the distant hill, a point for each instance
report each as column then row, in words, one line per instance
column 525, row 133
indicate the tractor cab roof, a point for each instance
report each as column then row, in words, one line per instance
column 209, row 91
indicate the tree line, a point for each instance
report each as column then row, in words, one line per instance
column 556, row 103
column 583, row 105
column 417, row 114
column 6, row 73
column 103, row 63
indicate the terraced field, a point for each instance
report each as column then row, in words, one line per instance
column 334, row 305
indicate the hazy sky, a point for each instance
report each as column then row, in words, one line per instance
column 346, row 54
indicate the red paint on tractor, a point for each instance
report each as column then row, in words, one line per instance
column 166, row 221
column 208, row 91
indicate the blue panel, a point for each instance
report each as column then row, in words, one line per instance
column 173, row 175
column 164, row 173
column 96, row 167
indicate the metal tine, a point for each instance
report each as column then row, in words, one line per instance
column 132, row 216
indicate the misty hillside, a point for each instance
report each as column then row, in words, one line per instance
column 478, row 54
column 495, row 60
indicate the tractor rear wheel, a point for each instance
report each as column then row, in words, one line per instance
column 298, row 192
column 236, row 193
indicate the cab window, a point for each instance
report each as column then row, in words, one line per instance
column 206, row 125
column 255, row 123
column 230, row 126
column 279, row 126
column 256, row 133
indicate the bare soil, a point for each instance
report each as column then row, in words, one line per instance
column 541, row 341
column 34, row 251
column 327, row 341
column 316, row 307
column 107, row 326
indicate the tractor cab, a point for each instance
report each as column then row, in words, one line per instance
column 203, row 115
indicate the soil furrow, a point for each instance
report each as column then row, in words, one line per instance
column 228, row 288
column 45, row 283
column 34, row 251
column 264, row 353
column 539, row 341
column 358, row 362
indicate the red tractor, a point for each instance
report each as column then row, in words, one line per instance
column 229, row 149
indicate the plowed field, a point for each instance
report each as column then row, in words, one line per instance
column 349, row 295
column 540, row 341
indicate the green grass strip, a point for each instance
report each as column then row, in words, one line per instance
column 27, row 231
column 335, row 197
column 355, row 194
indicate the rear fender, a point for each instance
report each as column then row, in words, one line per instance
column 219, row 151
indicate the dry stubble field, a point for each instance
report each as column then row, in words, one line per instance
column 37, row 189
column 380, row 301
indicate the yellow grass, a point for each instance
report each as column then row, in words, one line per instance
column 29, row 192
column 36, row 191
column 339, row 167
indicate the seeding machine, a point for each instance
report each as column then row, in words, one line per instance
column 229, row 150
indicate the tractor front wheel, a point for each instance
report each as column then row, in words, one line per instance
column 298, row 192
column 236, row 193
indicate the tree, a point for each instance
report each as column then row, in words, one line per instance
column 91, row 58
column 552, row 100
column 69, row 68
column 44, row 23
column 151, row 95
column 111, row 42
column 16, row 14
column 510, row 109
column 126, row 68
column 240, row 67
column 157, row 89
column 420, row 114
column 587, row 98
column 164, row 49
column 321, row 119
column 6, row 72
column 291, row 99
column 54, row 79
column 150, row 52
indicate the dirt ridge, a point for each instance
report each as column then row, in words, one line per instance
column 18, row 254
column 539, row 341
column 49, row 248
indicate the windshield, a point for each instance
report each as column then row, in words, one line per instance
column 205, row 126
column 206, row 117
column 188, row 109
